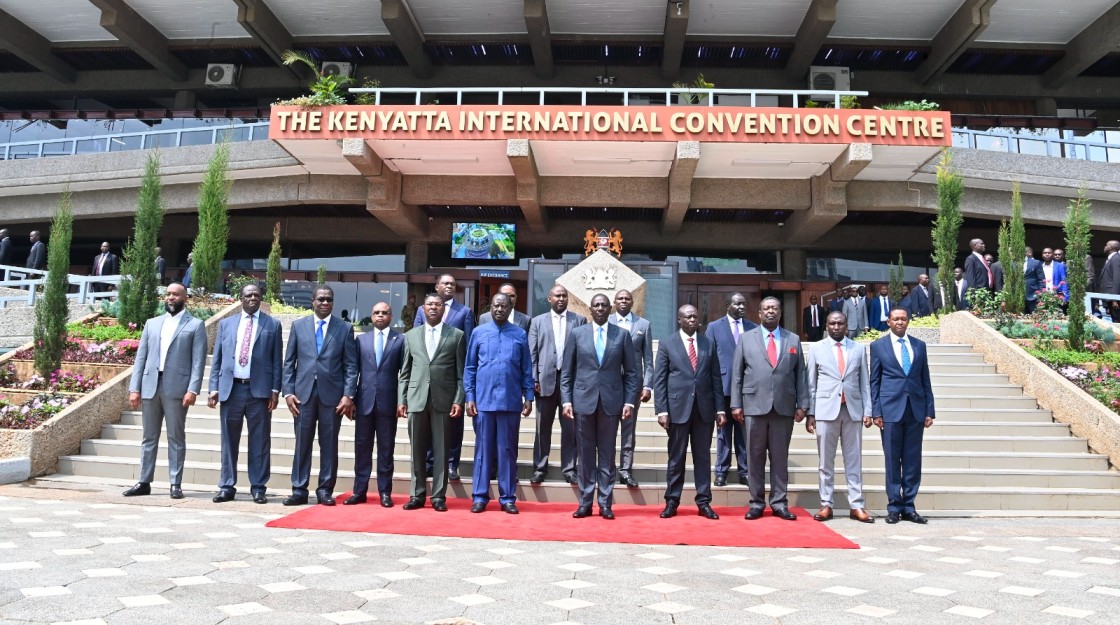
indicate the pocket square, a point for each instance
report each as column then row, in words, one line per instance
column 793, row 350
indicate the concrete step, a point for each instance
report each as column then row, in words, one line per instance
column 968, row 368
column 957, row 378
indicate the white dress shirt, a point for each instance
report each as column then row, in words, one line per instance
column 167, row 334
column 1048, row 271
column 559, row 334
column 626, row 323
column 884, row 308
column 238, row 370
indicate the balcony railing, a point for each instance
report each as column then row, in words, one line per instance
column 139, row 140
column 660, row 96
column 1101, row 146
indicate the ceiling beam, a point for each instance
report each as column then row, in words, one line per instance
column 829, row 197
column 33, row 49
column 524, row 165
column 1097, row 40
column 540, row 37
column 971, row 19
column 384, row 202
column 407, row 35
column 812, row 34
column 681, row 174
column 676, row 27
column 124, row 23
column 270, row 33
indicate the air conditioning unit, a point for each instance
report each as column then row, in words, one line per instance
column 829, row 79
column 221, row 75
column 336, row 68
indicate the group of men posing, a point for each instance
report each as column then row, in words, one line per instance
column 594, row 374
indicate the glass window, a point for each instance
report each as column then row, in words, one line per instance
column 121, row 144
column 162, row 140
column 58, row 148
column 196, row 137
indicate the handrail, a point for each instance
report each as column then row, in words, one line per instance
column 6, row 149
column 1012, row 143
column 18, row 278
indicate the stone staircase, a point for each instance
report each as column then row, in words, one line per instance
column 992, row 450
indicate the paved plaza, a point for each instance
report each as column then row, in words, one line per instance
column 86, row 555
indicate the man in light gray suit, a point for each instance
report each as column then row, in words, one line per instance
column 167, row 376
column 770, row 392
column 516, row 317
column 855, row 310
column 548, row 334
column 642, row 337
column 839, row 402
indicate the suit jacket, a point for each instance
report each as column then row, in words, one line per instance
column 187, row 275
column 891, row 389
column 459, row 316
column 37, row 259
column 6, row 251
column 642, row 337
column 334, row 370
column 542, row 349
column 1058, row 276
column 813, row 332
column 1110, row 275
column 1090, row 274
column 584, row 383
column 997, row 275
column 960, row 299
column 186, row 358
column 875, row 312
column 923, row 303
column 518, row 319
column 437, row 381
column 976, row 272
column 837, row 305
column 266, row 360
column 110, row 267
column 723, row 340
column 1033, row 278
column 856, row 312
column 498, row 376
column 377, row 384
column 757, row 387
column 161, row 269
column 826, row 382
column 677, row 387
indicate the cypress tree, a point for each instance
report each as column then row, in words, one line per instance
column 138, row 294
column 272, row 271
column 947, row 226
column 1012, row 254
column 52, row 311
column 1077, row 229
column 322, row 276
column 897, row 277
column 213, row 222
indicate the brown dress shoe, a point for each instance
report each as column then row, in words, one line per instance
column 861, row 515
column 824, row 514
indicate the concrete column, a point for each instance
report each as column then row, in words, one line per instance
column 185, row 100
column 793, row 264
column 416, row 257
column 1046, row 106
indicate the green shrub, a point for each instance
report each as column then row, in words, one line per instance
column 53, row 310
column 100, row 333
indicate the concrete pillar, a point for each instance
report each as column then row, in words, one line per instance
column 185, row 100
column 793, row 264
column 416, row 257
column 1047, row 107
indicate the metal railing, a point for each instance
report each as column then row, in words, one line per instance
column 30, row 279
column 125, row 141
column 1028, row 142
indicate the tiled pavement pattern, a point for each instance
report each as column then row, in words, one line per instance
column 68, row 557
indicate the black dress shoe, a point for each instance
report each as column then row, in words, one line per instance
column 260, row 498
column 414, row 503
column 892, row 518
column 453, row 475
column 478, row 506
column 354, row 500
column 743, row 480
column 721, row 480
column 706, row 511
column 606, row 513
column 223, row 496
column 753, row 514
column 538, row 477
column 783, row 513
column 914, row 517
column 629, row 481
column 582, row 512
column 386, row 500
column 510, row 508
column 138, row 489
column 326, row 499
column 570, row 478
column 295, row 500
column 176, row 492
column 670, row 510
column 439, row 505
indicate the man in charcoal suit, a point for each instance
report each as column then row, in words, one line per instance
column 598, row 385
column 812, row 320
column 961, row 285
column 855, row 309
column 640, row 333
column 517, row 317
column 5, row 247
column 161, row 267
column 688, row 399
column 839, row 404
column 320, row 380
column 548, row 334
column 37, row 258
column 105, row 264
column 245, row 377
column 976, row 269
column 924, row 299
column 380, row 354
column 1034, row 280
column 166, row 380
column 769, row 392
column 725, row 334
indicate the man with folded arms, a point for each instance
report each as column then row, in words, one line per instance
column 839, row 403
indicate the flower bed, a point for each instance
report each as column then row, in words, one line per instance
column 21, row 413
column 1098, row 374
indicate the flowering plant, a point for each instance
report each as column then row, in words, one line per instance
column 61, row 381
column 33, row 412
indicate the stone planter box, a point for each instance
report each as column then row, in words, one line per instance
column 26, row 368
column 20, row 395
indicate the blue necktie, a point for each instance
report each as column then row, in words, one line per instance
column 905, row 356
column 319, row 336
column 600, row 346
column 379, row 346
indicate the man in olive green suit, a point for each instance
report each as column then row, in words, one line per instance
column 430, row 394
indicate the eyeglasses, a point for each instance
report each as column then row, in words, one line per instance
column 325, row 300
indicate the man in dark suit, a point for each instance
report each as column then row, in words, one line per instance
column 517, row 317
column 1090, row 274
column 976, row 269
column 725, row 334
column 837, row 303
column 498, row 386
column 599, row 384
column 769, row 391
column 1054, row 274
column 1034, row 280
column 161, row 266
column 1109, row 281
column 997, row 272
column 320, row 380
column 5, row 247
column 902, row 407
column 37, row 258
column 812, row 319
column 380, row 354
column 548, row 334
column 878, row 308
column 430, row 395
column 166, row 380
column 458, row 316
column 961, row 285
column 688, row 399
column 105, row 264
column 924, row 299
column 642, row 336
column 188, row 275
column 245, row 377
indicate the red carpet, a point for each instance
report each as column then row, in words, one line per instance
column 554, row 522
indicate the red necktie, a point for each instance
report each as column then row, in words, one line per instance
column 840, row 365
column 692, row 353
column 772, row 351
column 991, row 276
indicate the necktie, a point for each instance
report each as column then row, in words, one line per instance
column 319, row 336
column 431, row 342
column 692, row 352
column 735, row 330
column 446, row 309
column 100, row 264
column 243, row 356
column 379, row 346
column 772, row 351
column 600, row 345
column 814, row 309
column 905, row 356
column 840, row 365
column 991, row 277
